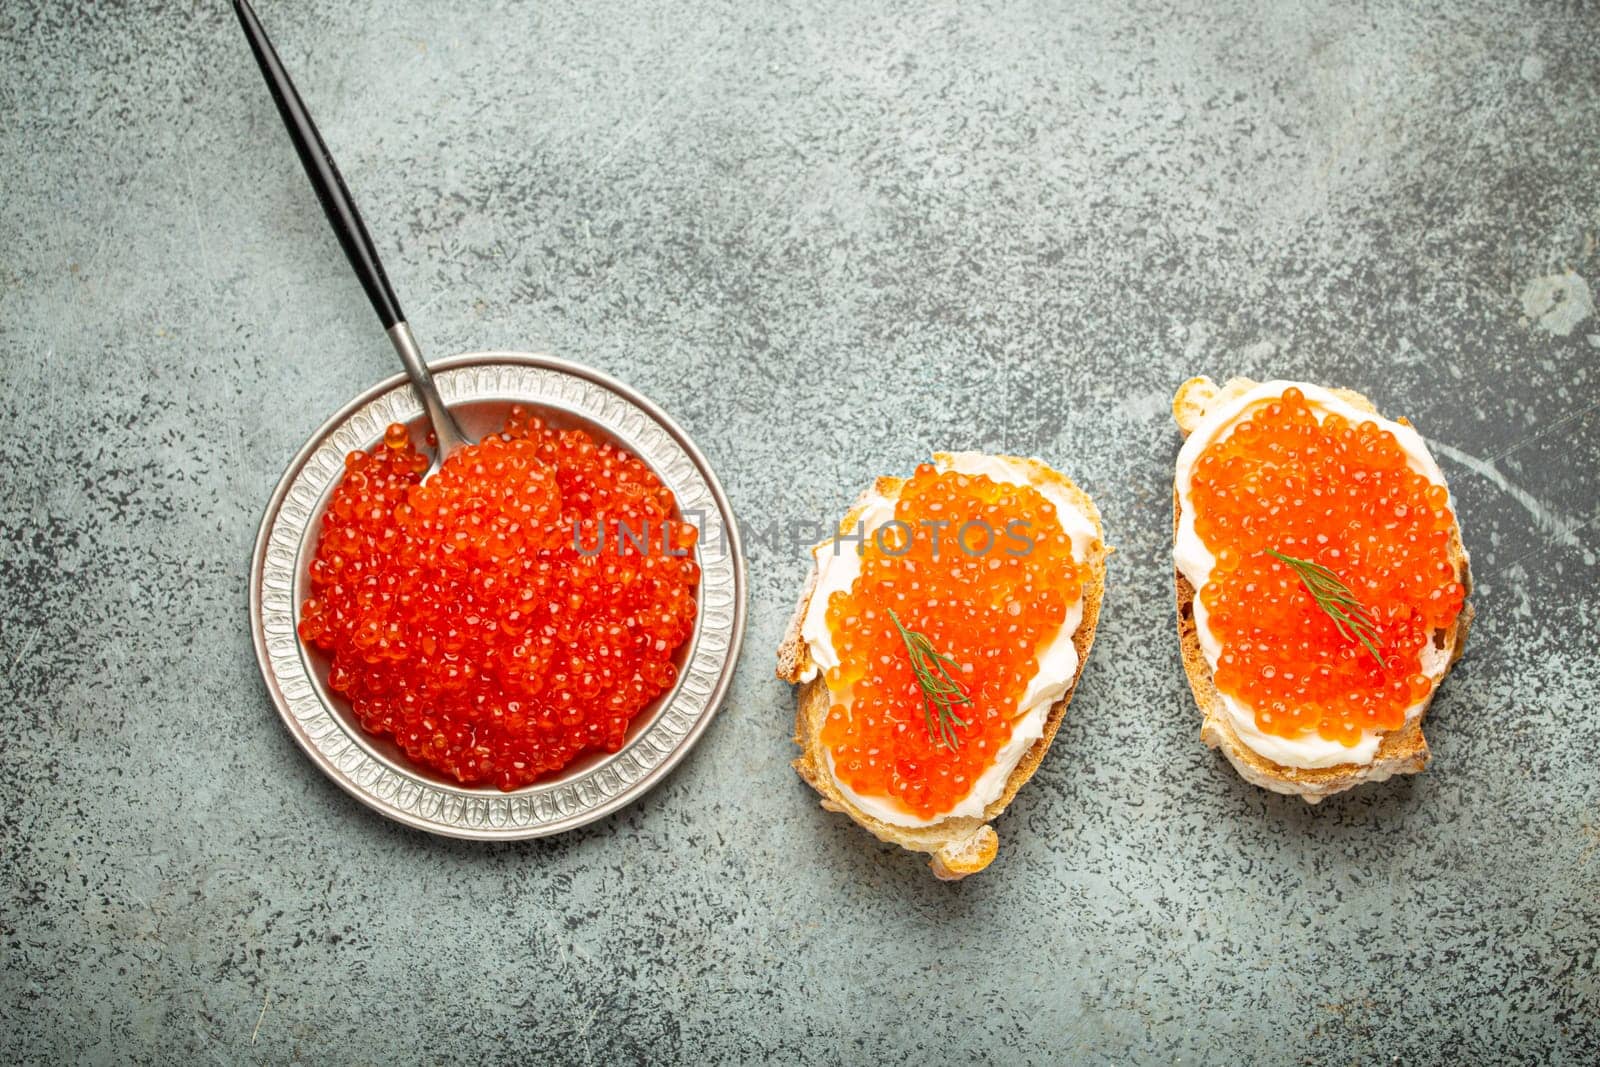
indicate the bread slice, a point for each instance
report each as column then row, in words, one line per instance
column 957, row 846
column 1400, row 751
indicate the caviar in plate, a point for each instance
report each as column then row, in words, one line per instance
column 510, row 614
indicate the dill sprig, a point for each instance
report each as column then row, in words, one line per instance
column 1335, row 598
column 940, row 691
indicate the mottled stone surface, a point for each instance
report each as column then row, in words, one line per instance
column 828, row 238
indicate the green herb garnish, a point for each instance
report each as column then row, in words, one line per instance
column 1334, row 597
column 940, row 691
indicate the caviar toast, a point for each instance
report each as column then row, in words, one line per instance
column 937, row 645
column 1331, row 582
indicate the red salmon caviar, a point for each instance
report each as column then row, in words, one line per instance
column 464, row 622
column 987, row 606
column 1344, row 497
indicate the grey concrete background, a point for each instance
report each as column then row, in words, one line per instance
column 829, row 238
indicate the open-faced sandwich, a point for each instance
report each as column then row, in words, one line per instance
column 1321, row 582
column 937, row 645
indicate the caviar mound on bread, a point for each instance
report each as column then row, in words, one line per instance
column 937, row 644
column 1321, row 582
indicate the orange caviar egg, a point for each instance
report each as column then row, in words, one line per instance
column 985, row 572
column 1344, row 497
column 481, row 619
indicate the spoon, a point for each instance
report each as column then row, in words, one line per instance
column 352, row 233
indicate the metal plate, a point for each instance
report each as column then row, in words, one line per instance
column 480, row 387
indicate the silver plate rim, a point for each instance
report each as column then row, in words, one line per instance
column 596, row 803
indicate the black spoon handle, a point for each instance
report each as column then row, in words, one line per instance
column 324, row 175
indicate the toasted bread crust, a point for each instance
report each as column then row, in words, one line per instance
column 1400, row 751
column 960, row 846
